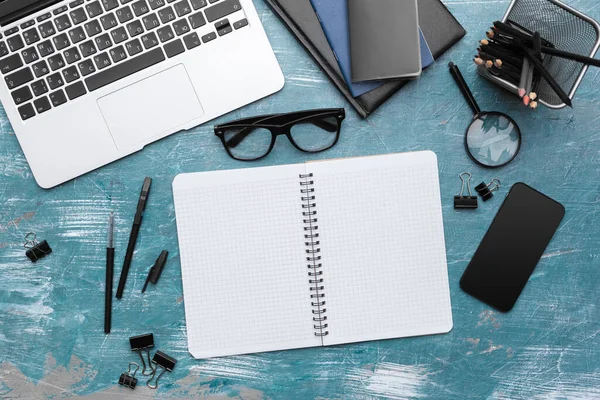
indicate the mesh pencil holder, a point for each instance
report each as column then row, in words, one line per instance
column 568, row 30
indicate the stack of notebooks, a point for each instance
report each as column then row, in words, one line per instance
column 371, row 48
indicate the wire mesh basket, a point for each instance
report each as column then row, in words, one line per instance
column 567, row 29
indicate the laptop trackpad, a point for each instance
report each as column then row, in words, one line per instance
column 147, row 110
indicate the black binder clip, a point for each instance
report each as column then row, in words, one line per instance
column 470, row 201
column 156, row 270
column 36, row 250
column 140, row 343
column 167, row 363
column 128, row 379
column 486, row 191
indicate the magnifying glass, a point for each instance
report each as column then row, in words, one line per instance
column 493, row 139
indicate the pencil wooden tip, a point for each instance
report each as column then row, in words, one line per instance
column 521, row 92
column 498, row 63
column 490, row 34
column 533, row 95
column 484, row 42
column 533, row 105
column 526, row 100
column 489, row 64
column 478, row 61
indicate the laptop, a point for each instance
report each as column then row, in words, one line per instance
column 87, row 82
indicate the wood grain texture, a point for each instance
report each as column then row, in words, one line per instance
column 52, row 343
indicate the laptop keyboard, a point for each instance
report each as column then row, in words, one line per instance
column 76, row 49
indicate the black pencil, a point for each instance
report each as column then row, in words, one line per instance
column 548, row 77
column 110, row 264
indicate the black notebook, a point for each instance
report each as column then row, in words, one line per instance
column 438, row 25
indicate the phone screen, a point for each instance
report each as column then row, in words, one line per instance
column 512, row 247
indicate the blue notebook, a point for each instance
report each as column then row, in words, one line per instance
column 333, row 15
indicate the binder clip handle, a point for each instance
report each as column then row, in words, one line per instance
column 35, row 250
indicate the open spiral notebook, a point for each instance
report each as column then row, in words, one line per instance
column 314, row 254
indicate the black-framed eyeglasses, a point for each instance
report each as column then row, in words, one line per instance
column 309, row 131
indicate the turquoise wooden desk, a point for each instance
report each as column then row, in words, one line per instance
column 52, row 343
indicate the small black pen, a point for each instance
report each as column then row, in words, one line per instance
column 110, row 264
column 135, row 229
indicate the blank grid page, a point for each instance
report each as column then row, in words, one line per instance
column 242, row 258
column 382, row 243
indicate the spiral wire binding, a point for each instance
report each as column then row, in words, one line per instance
column 313, row 256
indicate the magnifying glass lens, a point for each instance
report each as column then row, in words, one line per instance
column 493, row 139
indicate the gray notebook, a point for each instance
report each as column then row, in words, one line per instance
column 384, row 39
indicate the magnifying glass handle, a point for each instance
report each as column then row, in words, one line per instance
column 464, row 88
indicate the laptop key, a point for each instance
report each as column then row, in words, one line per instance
column 18, row 78
column 119, row 35
column 30, row 55
column 3, row 49
column 27, row 24
column 125, row 69
column 15, row 43
column 42, row 105
column 61, row 41
column 71, row 74
column 118, row 54
column 103, row 42
column 197, row 20
column 93, row 28
column 63, row 22
column 86, row 67
column 102, row 61
column 154, row 4
column 75, row 3
column 192, row 40
column 31, row 36
column 55, row 81
column 11, row 31
column 60, row 10
column 45, row 48
column 223, row 27
column 44, row 17
column 240, row 24
column 72, row 55
column 209, row 37
column 182, row 8
column 181, row 27
column 166, row 15
column 22, row 95
column 56, row 62
column 135, row 28
column 198, row 4
column 58, row 98
column 108, row 21
column 124, row 14
column 174, row 48
column 110, row 4
column 222, row 9
column 165, row 34
column 75, row 90
column 47, row 29
column 40, row 68
column 39, row 87
column 87, row 48
column 151, row 21
column 140, row 8
column 26, row 111
column 10, row 63
column 94, row 9
column 134, row 47
column 78, row 16
column 77, row 35
column 150, row 40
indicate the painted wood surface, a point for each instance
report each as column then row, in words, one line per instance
column 548, row 347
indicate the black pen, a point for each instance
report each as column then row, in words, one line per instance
column 110, row 264
column 135, row 229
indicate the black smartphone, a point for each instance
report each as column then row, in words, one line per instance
column 512, row 247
